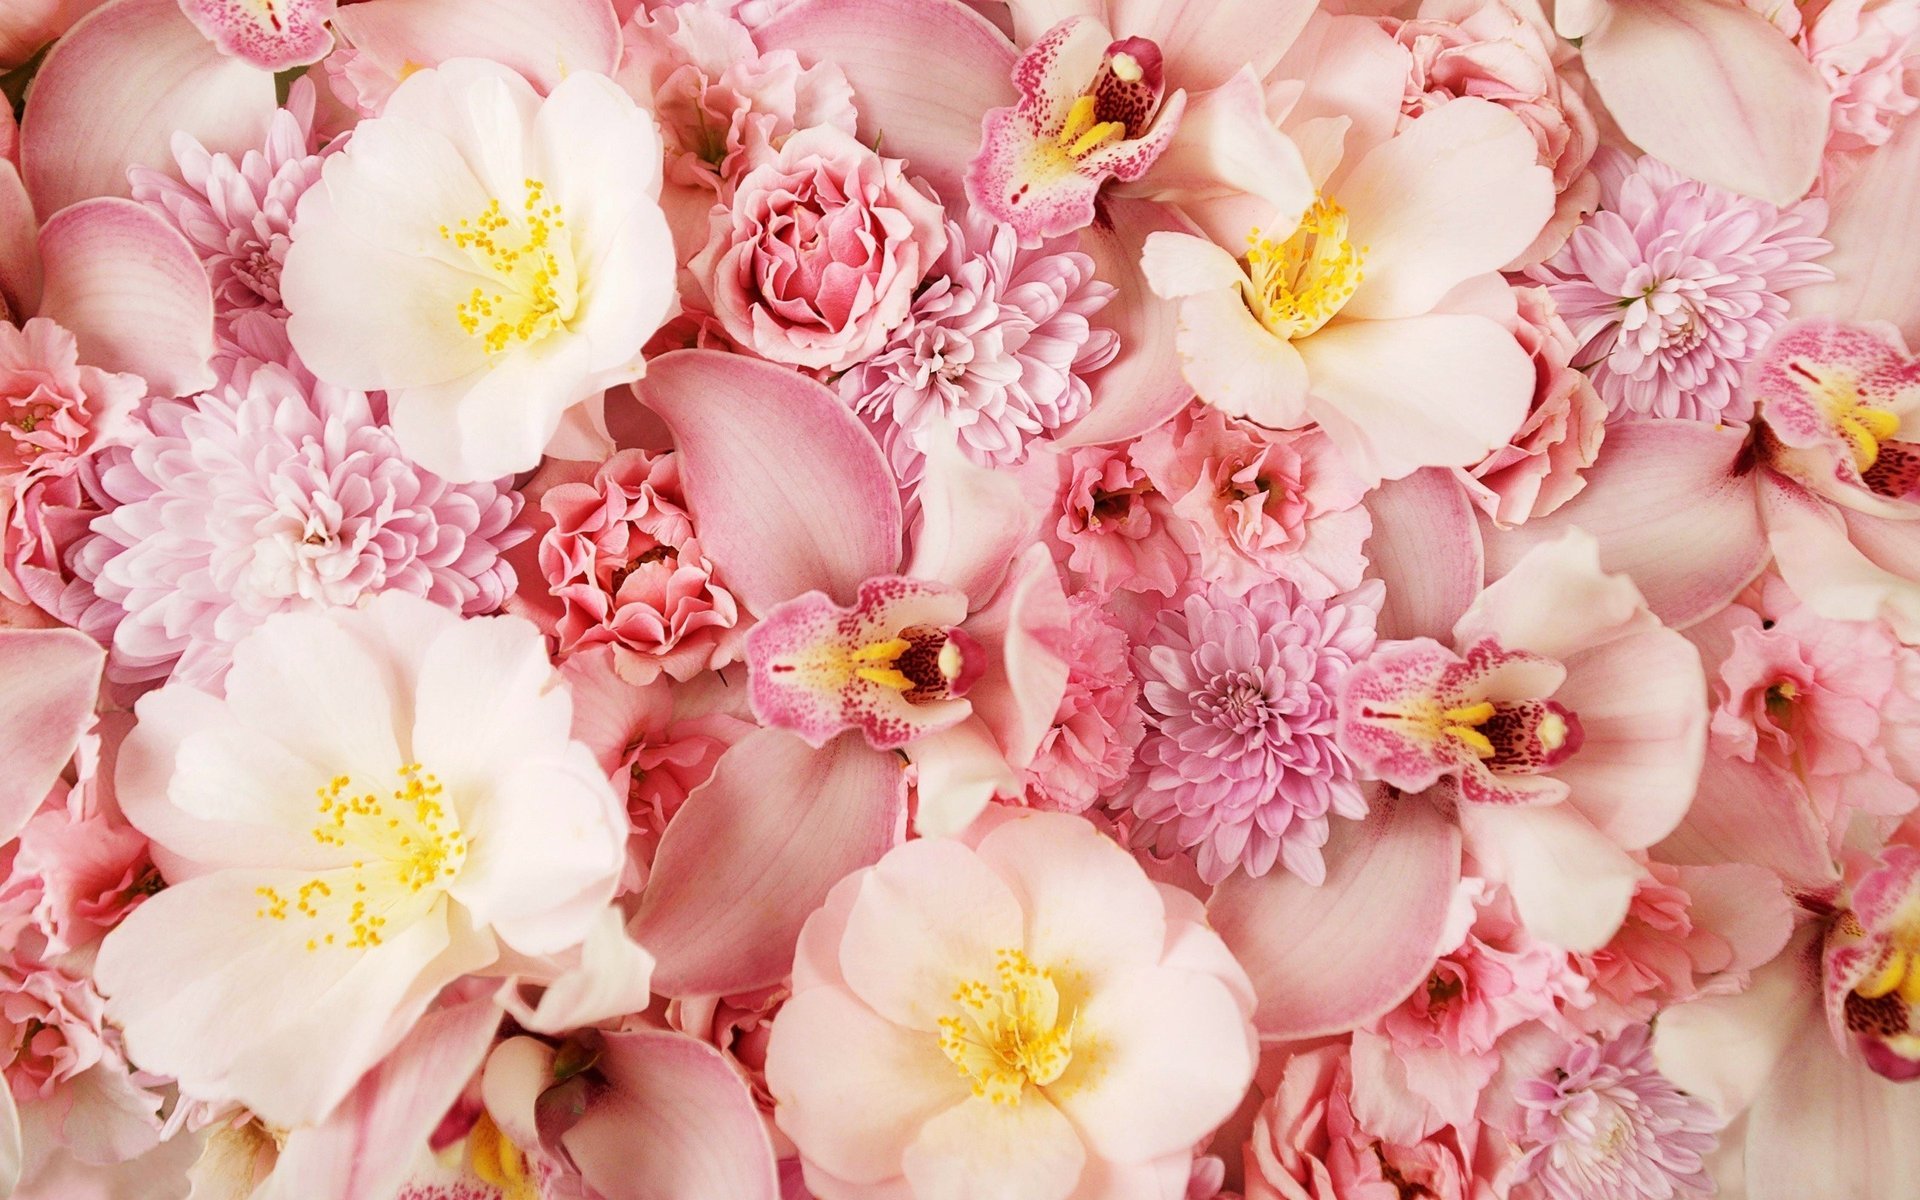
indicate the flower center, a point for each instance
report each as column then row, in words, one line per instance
column 1119, row 104
column 408, row 848
column 1863, row 426
column 536, row 287
column 922, row 662
column 1300, row 284
column 1009, row 1032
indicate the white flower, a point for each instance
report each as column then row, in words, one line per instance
column 488, row 257
column 388, row 798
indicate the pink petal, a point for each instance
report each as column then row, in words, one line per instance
column 1725, row 1049
column 1846, row 566
column 116, row 89
column 1875, row 262
column 271, row 34
column 1226, row 145
column 754, row 850
column 1569, row 881
column 972, row 523
column 366, row 1147
column 1024, row 632
column 677, row 1120
column 1327, row 959
column 19, row 248
column 923, row 107
column 1143, row 386
column 1426, row 546
column 1715, row 90
column 1206, row 41
column 1671, row 508
column 1752, row 813
column 544, row 40
column 980, row 1149
column 790, row 491
column 47, row 691
column 957, row 772
column 132, row 291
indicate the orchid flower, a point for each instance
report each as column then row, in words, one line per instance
column 949, row 657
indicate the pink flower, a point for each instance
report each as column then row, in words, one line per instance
column 53, row 410
column 1239, row 759
column 65, row 1065
column 1087, row 753
column 1012, row 1017
column 996, row 348
column 624, row 567
column 1263, row 505
column 1863, row 51
column 817, row 257
column 73, row 878
column 274, row 494
column 1540, row 468
column 1505, row 52
column 1675, row 285
column 1605, row 1125
column 1118, row 532
column 238, row 215
column 1871, row 969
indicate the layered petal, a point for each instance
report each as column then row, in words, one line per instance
column 1876, row 268
column 543, row 40
column 1570, row 882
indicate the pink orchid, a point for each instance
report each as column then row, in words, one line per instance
column 271, row 34
column 951, row 654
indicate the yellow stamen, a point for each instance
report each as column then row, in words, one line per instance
column 1302, row 282
column 533, row 267
column 1009, row 1032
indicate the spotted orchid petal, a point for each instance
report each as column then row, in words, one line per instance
column 893, row 665
column 1091, row 109
column 1844, row 403
column 271, row 34
column 1871, row 967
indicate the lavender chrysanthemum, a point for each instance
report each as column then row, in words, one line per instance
column 1239, row 760
column 1674, row 285
column 270, row 494
column 996, row 347
column 1606, row 1125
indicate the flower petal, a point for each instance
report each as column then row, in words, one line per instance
column 19, row 247
column 1426, row 546
column 1024, row 632
column 1875, row 262
column 1570, row 882
column 272, row 36
column 1206, row 41
column 1752, row 813
column 978, row 1149
column 47, row 693
column 544, row 40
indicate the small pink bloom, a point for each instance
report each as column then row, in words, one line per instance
column 1675, row 285
column 73, row 878
column 1262, row 505
column 53, row 410
column 817, row 257
column 1118, row 530
column 65, row 1065
column 1096, row 731
column 1540, row 468
column 1863, row 51
column 1091, row 109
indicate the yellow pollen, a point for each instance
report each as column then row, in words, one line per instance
column 1899, row 970
column 1081, row 135
column 1464, row 723
column 535, row 290
column 1010, row 1031
column 496, row 1160
column 1299, row 284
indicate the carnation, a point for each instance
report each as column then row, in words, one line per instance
column 1675, row 285
column 53, row 410
column 272, row 494
column 1090, row 747
column 1239, row 762
column 1117, row 532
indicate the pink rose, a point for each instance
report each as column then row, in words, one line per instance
column 1499, row 51
column 1539, row 469
column 52, row 409
column 819, row 254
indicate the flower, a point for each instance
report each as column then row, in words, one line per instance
column 273, row 494
column 53, row 410
column 1239, row 760
column 1504, row 52
column 275, row 35
column 1540, row 468
column 1871, row 970
column 238, row 215
column 487, row 273
column 66, row 1068
column 1674, row 285
column 1605, row 1125
column 1863, row 50
column 1015, row 1014
column 817, row 258
column 386, row 799
column 621, row 559
column 1087, row 752
column 996, row 348
column 1116, row 530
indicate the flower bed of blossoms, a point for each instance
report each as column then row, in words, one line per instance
column 959, row 599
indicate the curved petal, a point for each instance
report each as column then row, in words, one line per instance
column 1426, row 546
column 1143, row 385
column 1557, row 601
column 47, row 693
column 116, row 89
column 1457, row 193
column 1225, row 145
column 1432, row 391
column 1328, row 959
column 12, row 1155
column 972, row 523
column 920, row 106
column 1875, row 262
column 1822, row 551
column 1024, row 632
column 791, row 492
column 19, row 248
column 754, row 850
column 132, row 291
column 544, row 40
column 1672, row 506
column 1751, row 813
column 1570, row 883
column 978, row 1149
column 1724, row 1049
column 272, row 36
column 1206, row 41
column 677, row 1120
column 957, row 772
column 1715, row 90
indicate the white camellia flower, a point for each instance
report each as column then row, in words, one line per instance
column 386, row 799
column 488, row 257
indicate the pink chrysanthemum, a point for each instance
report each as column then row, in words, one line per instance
column 238, row 215
column 996, row 346
column 273, row 494
column 1675, row 284
column 1239, row 760
column 1090, row 747
column 1607, row 1126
